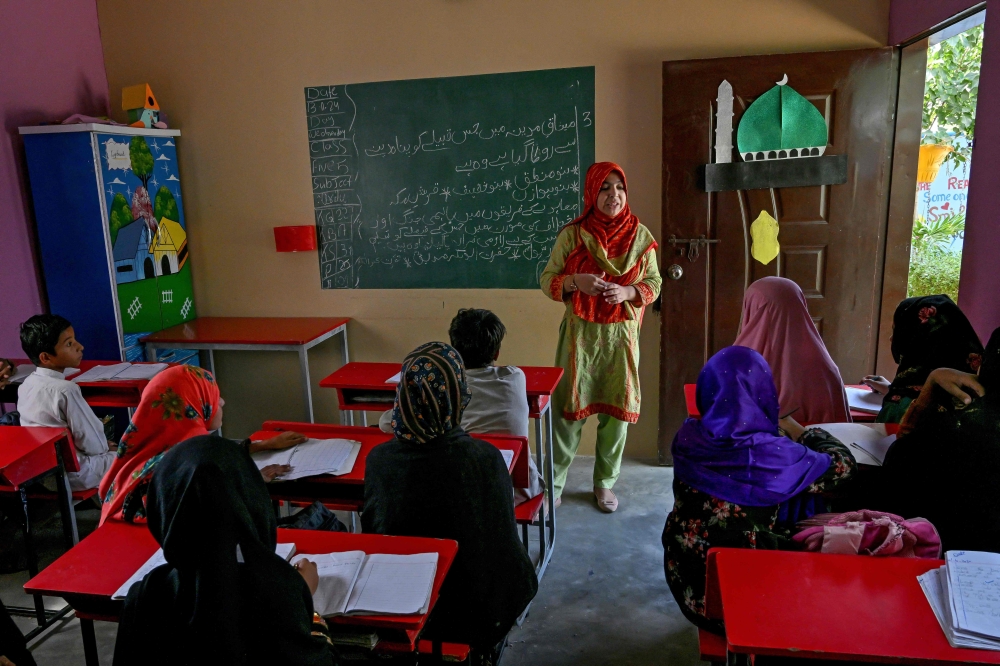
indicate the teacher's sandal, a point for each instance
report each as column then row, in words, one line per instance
column 606, row 500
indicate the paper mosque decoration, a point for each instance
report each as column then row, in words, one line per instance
column 780, row 124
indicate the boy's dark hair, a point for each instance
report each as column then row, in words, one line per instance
column 477, row 335
column 41, row 334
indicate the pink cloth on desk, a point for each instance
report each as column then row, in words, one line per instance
column 870, row 533
column 776, row 323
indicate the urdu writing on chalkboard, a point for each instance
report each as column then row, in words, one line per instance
column 456, row 182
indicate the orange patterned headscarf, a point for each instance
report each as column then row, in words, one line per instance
column 611, row 247
column 176, row 405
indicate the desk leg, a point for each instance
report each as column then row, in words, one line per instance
column 32, row 556
column 89, row 643
column 306, row 386
column 70, row 530
column 549, row 472
column 540, row 460
column 347, row 418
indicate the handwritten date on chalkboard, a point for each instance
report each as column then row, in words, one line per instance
column 459, row 182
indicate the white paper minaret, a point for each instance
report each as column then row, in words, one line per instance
column 724, row 124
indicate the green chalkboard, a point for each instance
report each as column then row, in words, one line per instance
column 459, row 182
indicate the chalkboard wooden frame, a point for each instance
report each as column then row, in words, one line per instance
column 458, row 182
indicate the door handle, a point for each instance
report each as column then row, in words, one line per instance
column 675, row 272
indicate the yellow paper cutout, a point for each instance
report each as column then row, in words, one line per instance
column 764, row 232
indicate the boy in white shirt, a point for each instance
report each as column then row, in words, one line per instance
column 499, row 403
column 46, row 398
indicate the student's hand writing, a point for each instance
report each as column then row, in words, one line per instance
column 285, row 440
column 791, row 427
column 617, row 293
column 4, row 661
column 877, row 383
column 271, row 472
column 590, row 284
column 307, row 568
column 962, row 386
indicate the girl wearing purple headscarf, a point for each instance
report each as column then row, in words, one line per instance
column 734, row 468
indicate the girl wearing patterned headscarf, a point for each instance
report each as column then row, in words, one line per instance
column 603, row 267
column 179, row 403
column 434, row 480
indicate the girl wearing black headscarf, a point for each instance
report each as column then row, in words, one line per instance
column 208, row 605
column 433, row 480
column 945, row 464
column 928, row 332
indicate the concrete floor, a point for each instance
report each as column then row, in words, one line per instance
column 603, row 600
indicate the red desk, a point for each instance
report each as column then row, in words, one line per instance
column 27, row 455
column 845, row 607
column 297, row 334
column 347, row 490
column 112, row 393
column 362, row 387
column 84, row 580
column 691, row 402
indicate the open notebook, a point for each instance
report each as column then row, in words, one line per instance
column 965, row 597
column 283, row 550
column 312, row 457
column 121, row 371
column 868, row 444
column 864, row 400
column 352, row 582
column 22, row 371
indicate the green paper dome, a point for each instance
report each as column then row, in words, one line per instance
column 781, row 123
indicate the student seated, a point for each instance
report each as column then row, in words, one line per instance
column 945, row 462
column 499, row 402
column 433, row 480
column 928, row 332
column 734, row 469
column 181, row 402
column 223, row 597
column 47, row 398
column 776, row 323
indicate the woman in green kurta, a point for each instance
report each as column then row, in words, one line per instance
column 603, row 266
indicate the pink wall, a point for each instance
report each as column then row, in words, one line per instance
column 979, row 290
column 52, row 67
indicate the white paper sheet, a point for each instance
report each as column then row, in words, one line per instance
column 337, row 574
column 868, row 444
column 394, row 584
column 312, row 457
column 864, row 400
column 101, row 372
column 508, row 455
column 141, row 371
column 21, row 373
column 394, row 379
column 974, row 586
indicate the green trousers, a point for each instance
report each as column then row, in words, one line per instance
column 610, row 446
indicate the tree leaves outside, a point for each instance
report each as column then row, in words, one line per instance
column 119, row 216
column 141, row 158
column 951, row 91
column 934, row 265
column 165, row 206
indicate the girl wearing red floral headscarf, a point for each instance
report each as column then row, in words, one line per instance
column 603, row 266
column 179, row 403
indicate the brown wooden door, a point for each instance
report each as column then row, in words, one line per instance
column 832, row 237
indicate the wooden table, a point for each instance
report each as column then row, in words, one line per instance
column 296, row 334
column 817, row 606
column 347, row 491
column 85, row 580
column 26, row 456
column 363, row 387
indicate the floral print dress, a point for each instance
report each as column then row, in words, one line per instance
column 699, row 522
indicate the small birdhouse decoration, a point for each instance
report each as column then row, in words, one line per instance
column 141, row 106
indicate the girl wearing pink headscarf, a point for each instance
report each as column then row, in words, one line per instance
column 776, row 323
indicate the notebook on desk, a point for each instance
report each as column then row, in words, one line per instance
column 312, row 457
column 23, row 370
column 965, row 597
column 863, row 400
column 868, row 443
column 121, row 372
column 354, row 583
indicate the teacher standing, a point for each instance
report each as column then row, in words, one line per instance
column 603, row 266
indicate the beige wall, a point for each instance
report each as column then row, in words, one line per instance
column 230, row 74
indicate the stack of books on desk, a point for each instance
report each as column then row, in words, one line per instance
column 965, row 597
